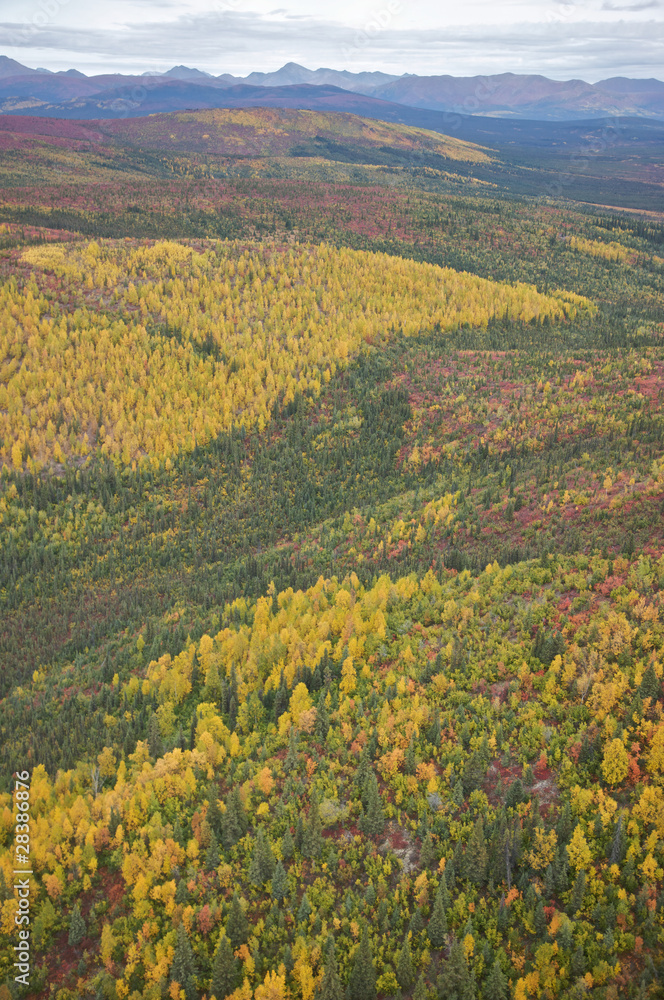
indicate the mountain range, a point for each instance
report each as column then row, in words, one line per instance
column 72, row 94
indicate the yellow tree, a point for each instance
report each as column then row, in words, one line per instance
column 615, row 765
column 578, row 850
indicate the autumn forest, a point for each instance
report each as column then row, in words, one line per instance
column 331, row 567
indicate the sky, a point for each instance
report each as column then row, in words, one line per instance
column 588, row 40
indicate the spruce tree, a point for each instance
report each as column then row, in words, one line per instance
column 304, row 910
column 495, row 987
column 262, row 865
column 287, row 845
column 405, row 971
column 76, row 926
column 290, row 763
column 279, row 885
column 214, row 815
column 155, row 745
column 330, row 987
column 224, row 970
column 373, row 822
column 237, row 928
column 234, row 821
column 650, row 686
column 212, row 858
column 313, row 834
column 183, row 969
column 420, row 989
column 456, row 976
column 437, row 929
column 362, row 982
column 578, row 962
column 427, row 854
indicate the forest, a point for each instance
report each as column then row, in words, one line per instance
column 331, row 573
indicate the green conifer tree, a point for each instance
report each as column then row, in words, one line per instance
column 428, row 853
column 183, row 969
column 405, row 971
column 237, row 927
column 262, row 864
column 279, row 885
column 304, row 910
column 77, row 927
column 420, row 989
column 224, row 970
column 313, row 834
column 212, row 858
column 290, row 763
column 330, row 987
column 437, row 929
column 495, row 987
column 362, row 982
column 373, row 822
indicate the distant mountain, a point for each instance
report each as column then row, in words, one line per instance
column 186, row 73
column 506, row 95
column 292, row 74
column 71, row 94
column 9, row 67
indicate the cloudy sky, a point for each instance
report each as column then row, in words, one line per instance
column 588, row 40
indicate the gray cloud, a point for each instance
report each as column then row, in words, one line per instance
column 632, row 7
column 241, row 41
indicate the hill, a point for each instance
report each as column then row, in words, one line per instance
column 331, row 561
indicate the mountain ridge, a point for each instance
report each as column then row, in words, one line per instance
column 511, row 95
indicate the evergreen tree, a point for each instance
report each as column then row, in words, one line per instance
column 212, row 858
column 650, row 686
column 234, row 821
column 578, row 962
column 290, row 763
column 155, row 745
column 77, row 927
column 313, row 834
column 304, row 910
column 237, row 927
column 410, row 762
column 540, row 919
column 405, row 971
column 287, row 845
column 262, row 864
column 224, row 970
column 214, row 815
column 437, row 929
column 330, row 987
column 299, row 833
column 373, row 822
column 427, row 854
column 495, row 987
column 279, row 885
column 362, row 982
column 578, row 892
column 420, row 989
column 456, row 982
column 363, row 774
column 183, row 969
column 476, row 855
